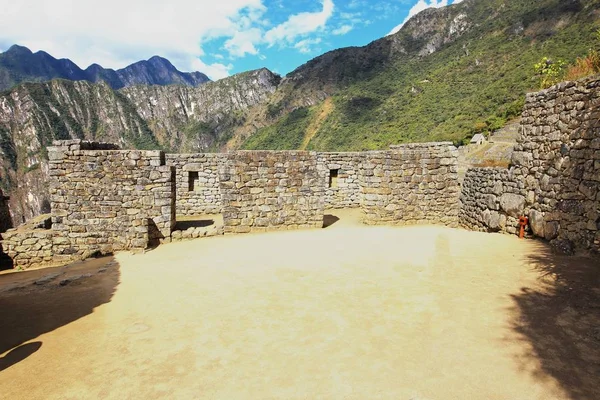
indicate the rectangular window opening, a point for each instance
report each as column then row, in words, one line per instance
column 192, row 181
column 333, row 178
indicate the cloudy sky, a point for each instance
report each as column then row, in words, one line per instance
column 217, row 37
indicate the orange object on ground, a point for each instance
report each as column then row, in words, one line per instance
column 523, row 221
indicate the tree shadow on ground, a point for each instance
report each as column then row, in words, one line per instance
column 40, row 301
column 561, row 322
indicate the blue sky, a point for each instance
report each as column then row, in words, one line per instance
column 219, row 38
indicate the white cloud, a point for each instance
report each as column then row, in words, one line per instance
column 214, row 71
column 299, row 25
column 115, row 33
column 342, row 30
column 243, row 42
column 420, row 6
column 305, row 46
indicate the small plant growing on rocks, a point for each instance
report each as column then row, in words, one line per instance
column 549, row 71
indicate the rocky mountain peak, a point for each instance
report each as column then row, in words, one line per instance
column 19, row 64
column 16, row 49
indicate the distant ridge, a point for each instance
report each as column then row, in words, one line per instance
column 19, row 64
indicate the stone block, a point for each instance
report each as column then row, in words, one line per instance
column 537, row 223
column 512, row 204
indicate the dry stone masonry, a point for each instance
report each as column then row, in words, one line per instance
column 104, row 199
column 108, row 200
column 411, row 184
column 197, row 182
column 340, row 172
column 554, row 178
column 264, row 190
column 491, row 200
column 30, row 244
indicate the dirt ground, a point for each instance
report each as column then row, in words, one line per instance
column 347, row 312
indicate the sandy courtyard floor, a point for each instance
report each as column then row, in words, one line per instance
column 347, row 312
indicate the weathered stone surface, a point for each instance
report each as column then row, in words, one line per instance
column 345, row 191
column 28, row 246
column 290, row 195
column 104, row 204
column 494, row 221
column 197, row 182
column 411, row 184
column 512, row 204
column 551, row 230
column 537, row 223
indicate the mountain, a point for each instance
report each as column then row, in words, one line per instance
column 19, row 64
column 175, row 118
column 448, row 73
column 155, row 71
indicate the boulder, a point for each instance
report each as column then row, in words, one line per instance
column 537, row 223
column 512, row 204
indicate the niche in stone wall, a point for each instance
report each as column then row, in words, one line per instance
column 193, row 181
column 333, row 178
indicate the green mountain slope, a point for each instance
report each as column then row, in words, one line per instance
column 447, row 74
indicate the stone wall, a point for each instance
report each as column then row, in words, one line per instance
column 266, row 190
column 411, row 184
column 197, row 182
column 31, row 244
column 340, row 172
column 491, row 200
column 554, row 178
column 108, row 200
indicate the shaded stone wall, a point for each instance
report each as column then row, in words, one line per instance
column 197, row 182
column 343, row 190
column 554, row 178
column 268, row 190
column 108, row 200
column 5, row 222
column 5, row 218
column 411, row 184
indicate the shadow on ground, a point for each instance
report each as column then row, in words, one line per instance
column 329, row 220
column 18, row 354
column 40, row 301
column 561, row 322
